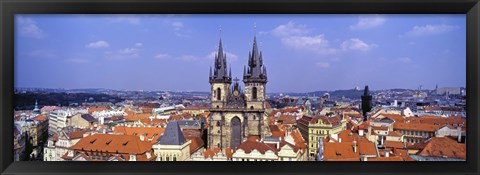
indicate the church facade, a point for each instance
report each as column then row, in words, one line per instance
column 236, row 114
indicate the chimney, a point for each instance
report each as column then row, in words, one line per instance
column 142, row 137
column 387, row 153
column 360, row 132
column 355, row 146
column 459, row 131
column 340, row 140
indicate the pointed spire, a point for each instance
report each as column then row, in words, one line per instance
column 250, row 59
column 265, row 71
column 244, row 71
column 260, row 59
column 210, row 71
column 255, row 48
column 366, row 92
column 230, row 72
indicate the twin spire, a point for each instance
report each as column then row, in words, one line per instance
column 220, row 73
column 256, row 71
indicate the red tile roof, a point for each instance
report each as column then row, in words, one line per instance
column 276, row 132
column 113, row 143
column 249, row 145
column 136, row 117
column 76, row 134
column 444, row 147
column 395, row 117
column 335, row 151
column 40, row 118
column 367, row 148
column 334, row 121
column 148, row 132
column 416, row 127
column 287, row 119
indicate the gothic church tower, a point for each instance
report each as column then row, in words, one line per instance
column 236, row 114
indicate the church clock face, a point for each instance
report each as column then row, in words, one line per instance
column 235, row 93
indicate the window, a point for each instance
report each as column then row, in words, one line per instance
column 167, row 158
column 219, row 94
column 254, row 117
column 254, row 93
column 218, row 123
column 174, row 158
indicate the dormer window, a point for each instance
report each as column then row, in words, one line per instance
column 133, row 157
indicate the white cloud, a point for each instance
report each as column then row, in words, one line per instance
column 356, row 44
column 131, row 19
column 429, row 30
column 28, row 27
column 179, row 34
column 405, row 60
column 316, row 44
column 368, row 21
column 230, row 56
column 138, row 44
column 41, row 53
column 322, row 64
column 162, row 56
column 177, row 25
column 298, row 37
column 178, row 28
column 126, row 53
column 78, row 61
column 97, row 44
column 290, row 29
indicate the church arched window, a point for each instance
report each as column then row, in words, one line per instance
column 254, row 93
column 218, row 123
column 254, row 117
column 219, row 94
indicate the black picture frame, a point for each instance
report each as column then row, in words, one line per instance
column 8, row 8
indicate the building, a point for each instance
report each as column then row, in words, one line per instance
column 172, row 145
column 82, row 121
column 109, row 147
column 448, row 91
column 416, row 132
column 237, row 114
column 316, row 127
column 58, row 145
column 58, row 119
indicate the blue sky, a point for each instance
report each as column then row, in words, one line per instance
column 302, row 53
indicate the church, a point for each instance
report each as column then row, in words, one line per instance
column 236, row 114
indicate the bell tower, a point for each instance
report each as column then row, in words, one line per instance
column 255, row 79
column 220, row 80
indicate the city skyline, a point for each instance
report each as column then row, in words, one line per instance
column 153, row 52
